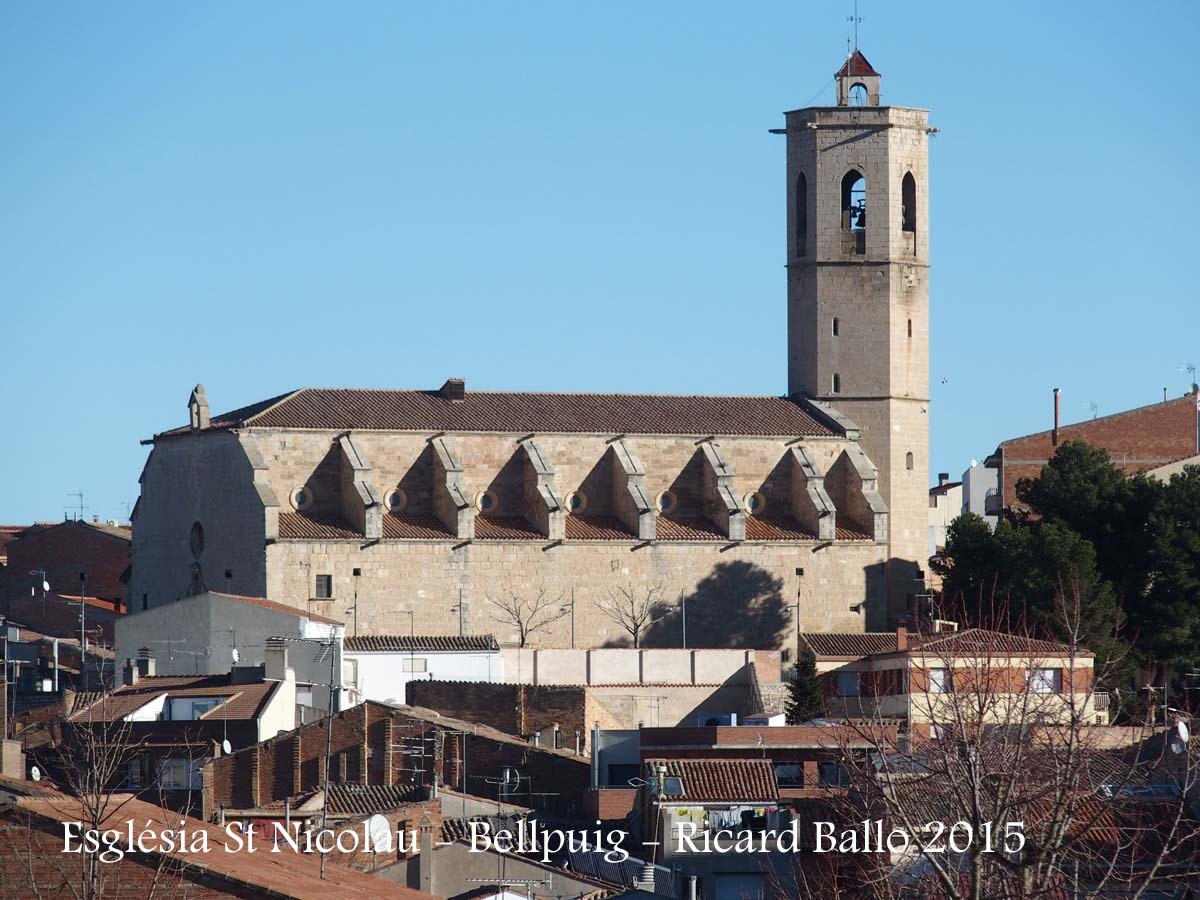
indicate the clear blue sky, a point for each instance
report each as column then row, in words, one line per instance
column 558, row 196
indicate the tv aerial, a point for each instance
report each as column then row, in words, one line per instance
column 379, row 834
column 1179, row 738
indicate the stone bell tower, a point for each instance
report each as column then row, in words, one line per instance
column 858, row 292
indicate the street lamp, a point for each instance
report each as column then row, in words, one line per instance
column 356, row 572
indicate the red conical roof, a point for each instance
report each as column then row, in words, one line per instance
column 857, row 65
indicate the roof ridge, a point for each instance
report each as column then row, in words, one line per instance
column 470, row 393
column 279, row 401
column 1116, row 415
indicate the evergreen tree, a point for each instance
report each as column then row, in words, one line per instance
column 806, row 699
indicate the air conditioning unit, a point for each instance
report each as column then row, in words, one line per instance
column 766, row 720
column 716, row 720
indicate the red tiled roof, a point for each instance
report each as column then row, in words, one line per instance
column 294, row 875
column 245, row 700
column 307, row 527
column 687, row 528
column 719, row 780
column 776, row 528
column 505, row 528
column 857, row 65
column 597, row 528
column 851, row 531
column 421, row 643
column 368, row 799
column 850, row 643
column 414, row 526
column 973, row 641
column 389, row 410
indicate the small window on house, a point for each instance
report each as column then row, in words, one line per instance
column 1044, row 681
column 324, row 587
column 789, row 775
column 849, row 684
column 145, row 601
column 940, row 681
column 832, row 775
column 908, row 460
column 835, row 326
column 908, row 198
column 414, row 664
column 837, row 383
column 801, row 215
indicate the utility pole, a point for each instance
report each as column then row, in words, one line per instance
column 83, row 679
column 571, row 608
column 357, row 573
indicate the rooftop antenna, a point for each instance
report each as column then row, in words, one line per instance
column 1093, row 408
column 79, row 494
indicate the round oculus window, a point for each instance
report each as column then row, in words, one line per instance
column 666, row 502
column 396, row 500
column 577, row 501
column 301, row 499
column 754, row 503
column 485, row 502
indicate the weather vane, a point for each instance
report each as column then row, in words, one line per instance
column 853, row 20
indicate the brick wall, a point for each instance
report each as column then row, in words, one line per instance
column 517, row 709
column 1136, row 440
column 64, row 551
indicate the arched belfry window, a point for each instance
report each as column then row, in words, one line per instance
column 858, row 94
column 908, row 197
column 854, row 201
column 837, row 383
column 801, row 215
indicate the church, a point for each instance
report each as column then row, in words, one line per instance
column 542, row 517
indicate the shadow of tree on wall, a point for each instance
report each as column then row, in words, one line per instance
column 738, row 605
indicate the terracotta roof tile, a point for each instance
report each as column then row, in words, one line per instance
column 368, row 799
column 776, row 528
column 851, row 643
column 972, row 641
column 687, row 528
column 278, row 607
column 245, row 700
column 505, row 528
column 388, row 410
column 309, row 527
column 421, row 643
column 597, row 528
column 720, row 780
column 851, row 531
column 414, row 526
column 857, row 65
column 295, row 875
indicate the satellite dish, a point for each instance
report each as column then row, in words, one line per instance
column 1179, row 738
column 226, row 747
column 35, row 773
column 237, row 657
column 379, row 834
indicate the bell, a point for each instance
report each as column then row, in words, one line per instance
column 861, row 220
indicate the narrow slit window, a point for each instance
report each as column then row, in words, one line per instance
column 837, row 384
column 908, row 196
column 910, row 327
column 908, row 460
column 801, row 215
column 835, row 326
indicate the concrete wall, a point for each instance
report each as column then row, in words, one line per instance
column 622, row 666
column 978, row 482
column 197, row 635
column 382, row 676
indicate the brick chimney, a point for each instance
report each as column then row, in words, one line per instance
column 275, row 659
column 901, row 638
column 1054, row 434
column 943, row 479
column 145, row 663
column 130, row 673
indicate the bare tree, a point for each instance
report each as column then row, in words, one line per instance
column 1005, row 784
column 531, row 613
column 635, row 609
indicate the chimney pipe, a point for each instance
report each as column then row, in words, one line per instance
column 1054, row 434
column 691, row 890
column 901, row 638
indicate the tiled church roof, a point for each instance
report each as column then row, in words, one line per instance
column 386, row 410
column 857, row 65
